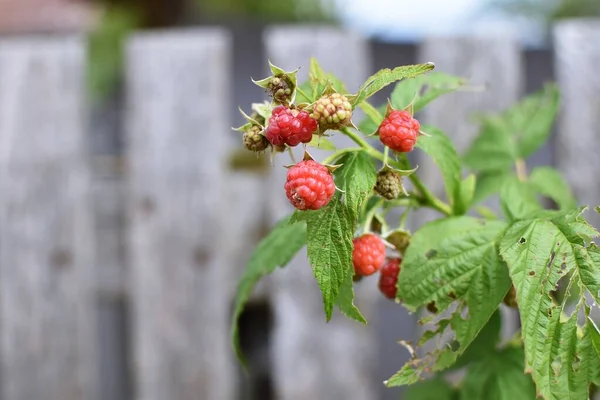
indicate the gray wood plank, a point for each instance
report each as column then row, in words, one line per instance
column 577, row 53
column 177, row 124
column 46, row 226
column 313, row 359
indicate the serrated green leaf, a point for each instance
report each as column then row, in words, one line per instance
column 408, row 375
column 466, row 191
column 498, row 377
column 516, row 133
column 356, row 178
column 329, row 245
column 423, row 89
column 370, row 125
column 530, row 120
column 318, row 78
column 518, row 199
column 489, row 184
column 484, row 344
column 372, row 113
column 304, row 93
column 275, row 250
column 432, row 389
column 385, row 77
column 345, row 301
column 321, row 143
column 493, row 149
column 549, row 182
column 594, row 335
column 454, row 259
column 559, row 353
column 439, row 147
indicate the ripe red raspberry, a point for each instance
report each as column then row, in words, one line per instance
column 309, row 185
column 290, row 127
column 399, row 131
column 389, row 277
column 368, row 254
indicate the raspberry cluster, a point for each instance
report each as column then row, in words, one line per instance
column 290, row 127
column 332, row 111
column 399, row 131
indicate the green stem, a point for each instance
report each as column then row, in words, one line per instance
column 332, row 157
column 404, row 218
column 302, row 93
column 429, row 198
column 521, row 168
column 369, row 217
column 386, row 156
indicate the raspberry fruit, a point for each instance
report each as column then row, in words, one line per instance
column 290, row 127
column 254, row 139
column 281, row 88
column 399, row 131
column 368, row 254
column 309, row 185
column 389, row 184
column 389, row 277
column 511, row 297
column 332, row 111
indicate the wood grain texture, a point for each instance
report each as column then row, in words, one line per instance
column 177, row 126
column 577, row 54
column 313, row 359
column 46, row 226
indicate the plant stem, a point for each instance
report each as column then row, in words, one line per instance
column 337, row 154
column 386, row 155
column 521, row 169
column 302, row 93
column 429, row 198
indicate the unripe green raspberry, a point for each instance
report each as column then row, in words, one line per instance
column 281, row 89
column 254, row 140
column 332, row 111
column 399, row 238
column 511, row 297
column 389, row 184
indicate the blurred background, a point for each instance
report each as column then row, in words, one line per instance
column 128, row 208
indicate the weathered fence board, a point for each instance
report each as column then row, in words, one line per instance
column 577, row 54
column 46, row 231
column 329, row 360
column 178, row 83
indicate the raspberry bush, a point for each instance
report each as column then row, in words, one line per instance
column 537, row 254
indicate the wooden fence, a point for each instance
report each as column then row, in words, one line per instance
column 118, row 269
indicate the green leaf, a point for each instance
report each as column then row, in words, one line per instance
column 530, row 120
column 329, row 244
column 275, row 250
column 439, row 147
column 453, row 259
column 321, row 143
column 539, row 253
column 518, row 199
column 549, row 182
column 493, row 149
column 516, row 133
column 595, row 335
column 304, row 93
column 423, row 89
column 484, row 344
column 498, row 377
column 465, row 195
column 345, row 301
column 489, row 184
column 370, row 124
column 356, row 178
column 432, row 389
column 372, row 113
column 318, row 78
column 385, row 77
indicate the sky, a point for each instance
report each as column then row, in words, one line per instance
column 411, row 19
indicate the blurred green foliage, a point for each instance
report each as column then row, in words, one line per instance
column 268, row 10
column 549, row 11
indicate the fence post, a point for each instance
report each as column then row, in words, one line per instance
column 578, row 140
column 46, row 229
column 177, row 126
column 315, row 359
